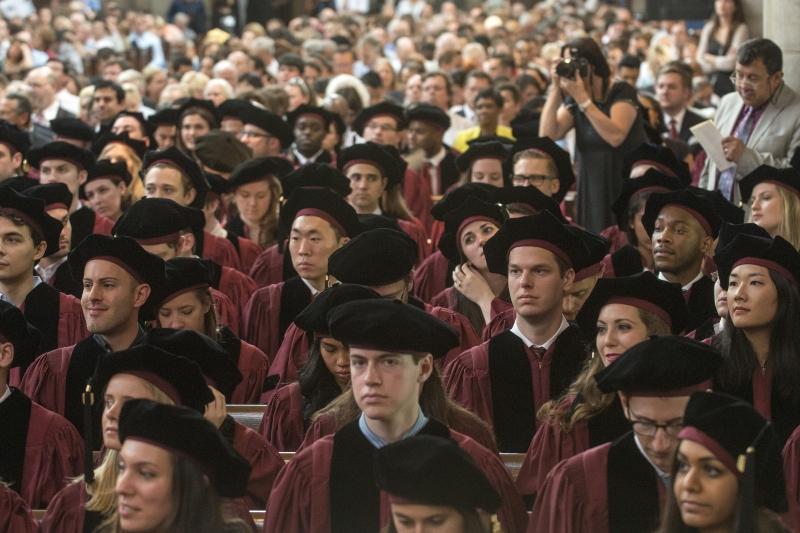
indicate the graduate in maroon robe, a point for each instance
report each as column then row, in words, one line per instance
column 273, row 265
column 64, row 162
column 184, row 302
column 41, row 450
column 322, row 377
column 329, row 486
column 118, row 276
column 143, row 371
column 622, row 312
column 317, row 221
column 508, row 378
column 728, row 467
column 223, row 376
column 383, row 259
column 375, row 173
column 791, row 468
column 15, row 515
column 431, row 479
column 683, row 226
column 760, row 339
column 57, row 316
column 476, row 293
column 167, row 229
column 621, row 486
column 437, row 172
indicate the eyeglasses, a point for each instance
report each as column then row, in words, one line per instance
column 748, row 81
column 382, row 127
column 246, row 133
column 532, row 179
column 649, row 429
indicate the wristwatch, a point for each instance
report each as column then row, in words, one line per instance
column 585, row 105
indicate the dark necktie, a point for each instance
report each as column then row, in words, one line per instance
column 743, row 131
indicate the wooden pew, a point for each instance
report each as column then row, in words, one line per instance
column 248, row 415
column 258, row 517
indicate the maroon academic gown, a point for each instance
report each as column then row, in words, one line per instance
column 271, row 310
column 791, row 469
column 264, row 459
column 67, row 511
column 616, row 237
column 57, row 379
column 611, row 488
column 290, row 357
column 57, row 316
column 467, row 338
column 220, row 250
column 251, row 362
column 416, row 230
column 40, row 449
column 430, row 278
column 267, row 268
column 417, row 194
column 505, row 383
column 248, row 252
column 15, row 515
column 449, row 298
column 500, row 322
column 226, row 311
column 551, row 444
column 236, row 286
column 283, row 424
column 460, row 421
column 329, row 486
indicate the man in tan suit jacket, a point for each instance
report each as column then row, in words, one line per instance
column 775, row 135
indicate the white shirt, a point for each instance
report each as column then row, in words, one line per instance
column 6, row 394
column 435, row 161
column 313, row 289
column 685, row 287
column 303, row 160
column 47, row 273
column 677, row 118
column 549, row 342
column 352, row 6
column 663, row 476
column 46, row 115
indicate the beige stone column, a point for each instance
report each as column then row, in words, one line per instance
column 781, row 23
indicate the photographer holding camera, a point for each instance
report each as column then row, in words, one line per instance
column 606, row 122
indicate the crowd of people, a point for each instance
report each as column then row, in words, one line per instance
column 410, row 238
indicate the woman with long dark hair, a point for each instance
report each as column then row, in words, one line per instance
column 719, row 41
column 606, row 121
column 323, row 377
column 473, row 294
column 623, row 312
column 175, row 468
column 727, row 475
column 759, row 342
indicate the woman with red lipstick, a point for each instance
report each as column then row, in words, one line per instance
column 773, row 195
column 324, row 377
column 174, row 469
column 760, row 342
column 623, row 312
column 713, row 488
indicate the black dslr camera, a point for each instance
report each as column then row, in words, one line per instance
column 568, row 67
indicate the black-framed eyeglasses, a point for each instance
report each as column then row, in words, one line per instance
column 531, row 179
column 646, row 428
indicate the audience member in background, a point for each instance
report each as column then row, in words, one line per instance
column 719, row 43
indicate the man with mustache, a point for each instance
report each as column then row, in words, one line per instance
column 683, row 227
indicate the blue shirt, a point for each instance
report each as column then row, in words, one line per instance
column 379, row 442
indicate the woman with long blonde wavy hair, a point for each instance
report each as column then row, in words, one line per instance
column 621, row 312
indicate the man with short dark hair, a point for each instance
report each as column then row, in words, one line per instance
column 761, row 119
column 437, row 90
column 476, row 82
column 108, row 100
column 16, row 109
column 674, row 92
